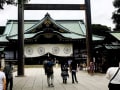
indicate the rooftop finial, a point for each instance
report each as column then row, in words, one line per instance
column 47, row 15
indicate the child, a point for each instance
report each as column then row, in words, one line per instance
column 64, row 73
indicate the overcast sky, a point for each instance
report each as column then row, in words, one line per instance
column 101, row 12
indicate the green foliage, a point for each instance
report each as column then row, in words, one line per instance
column 116, row 15
column 12, row 2
column 116, row 3
column 99, row 29
column 2, row 2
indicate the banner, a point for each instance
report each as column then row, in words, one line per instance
column 36, row 50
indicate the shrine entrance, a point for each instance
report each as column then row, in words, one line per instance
column 40, row 60
column 22, row 7
column 37, row 53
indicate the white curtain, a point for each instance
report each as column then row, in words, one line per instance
column 35, row 50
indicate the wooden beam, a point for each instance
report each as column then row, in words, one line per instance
column 54, row 7
column 89, row 43
column 21, row 39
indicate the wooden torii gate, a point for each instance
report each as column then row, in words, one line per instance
column 22, row 7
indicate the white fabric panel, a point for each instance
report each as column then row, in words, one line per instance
column 36, row 50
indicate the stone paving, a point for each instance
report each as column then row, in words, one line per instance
column 35, row 79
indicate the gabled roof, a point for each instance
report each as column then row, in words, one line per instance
column 112, row 46
column 47, row 21
column 74, row 29
column 3, row 38
column 116, row 35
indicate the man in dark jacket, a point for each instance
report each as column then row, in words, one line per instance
column 73, row 69
column 49, row 72
column 9, row 75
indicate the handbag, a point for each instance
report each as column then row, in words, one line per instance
column 113, row 77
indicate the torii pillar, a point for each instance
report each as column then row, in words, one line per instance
column 20, row 38
column 89, row 43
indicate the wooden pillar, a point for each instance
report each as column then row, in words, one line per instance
column 21, row 38
column 88, row 32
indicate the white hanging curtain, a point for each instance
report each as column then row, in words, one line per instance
column 36, row 50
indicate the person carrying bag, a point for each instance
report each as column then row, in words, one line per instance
column 113, row 74
column 8, row 70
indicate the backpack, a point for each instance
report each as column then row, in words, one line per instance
column 8, row 72
column 49, row 68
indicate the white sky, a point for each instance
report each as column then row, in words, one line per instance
column 101, row 12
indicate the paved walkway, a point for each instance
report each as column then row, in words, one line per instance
column 35, row 79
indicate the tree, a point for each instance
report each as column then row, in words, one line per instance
column 116, row 15
column 100, row 30
column 2, row 2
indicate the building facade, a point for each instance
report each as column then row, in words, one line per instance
column 58, row 39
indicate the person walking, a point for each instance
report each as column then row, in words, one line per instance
column 2, row 80
column 69, row 62
column 8, row 70
column 92, row 68
column 73, row 70
column 50, row 72
column 64, row 71
column 113, row 74
column 45, row 66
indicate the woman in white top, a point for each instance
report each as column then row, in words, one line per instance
column 2, row 80
column 114, row 82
